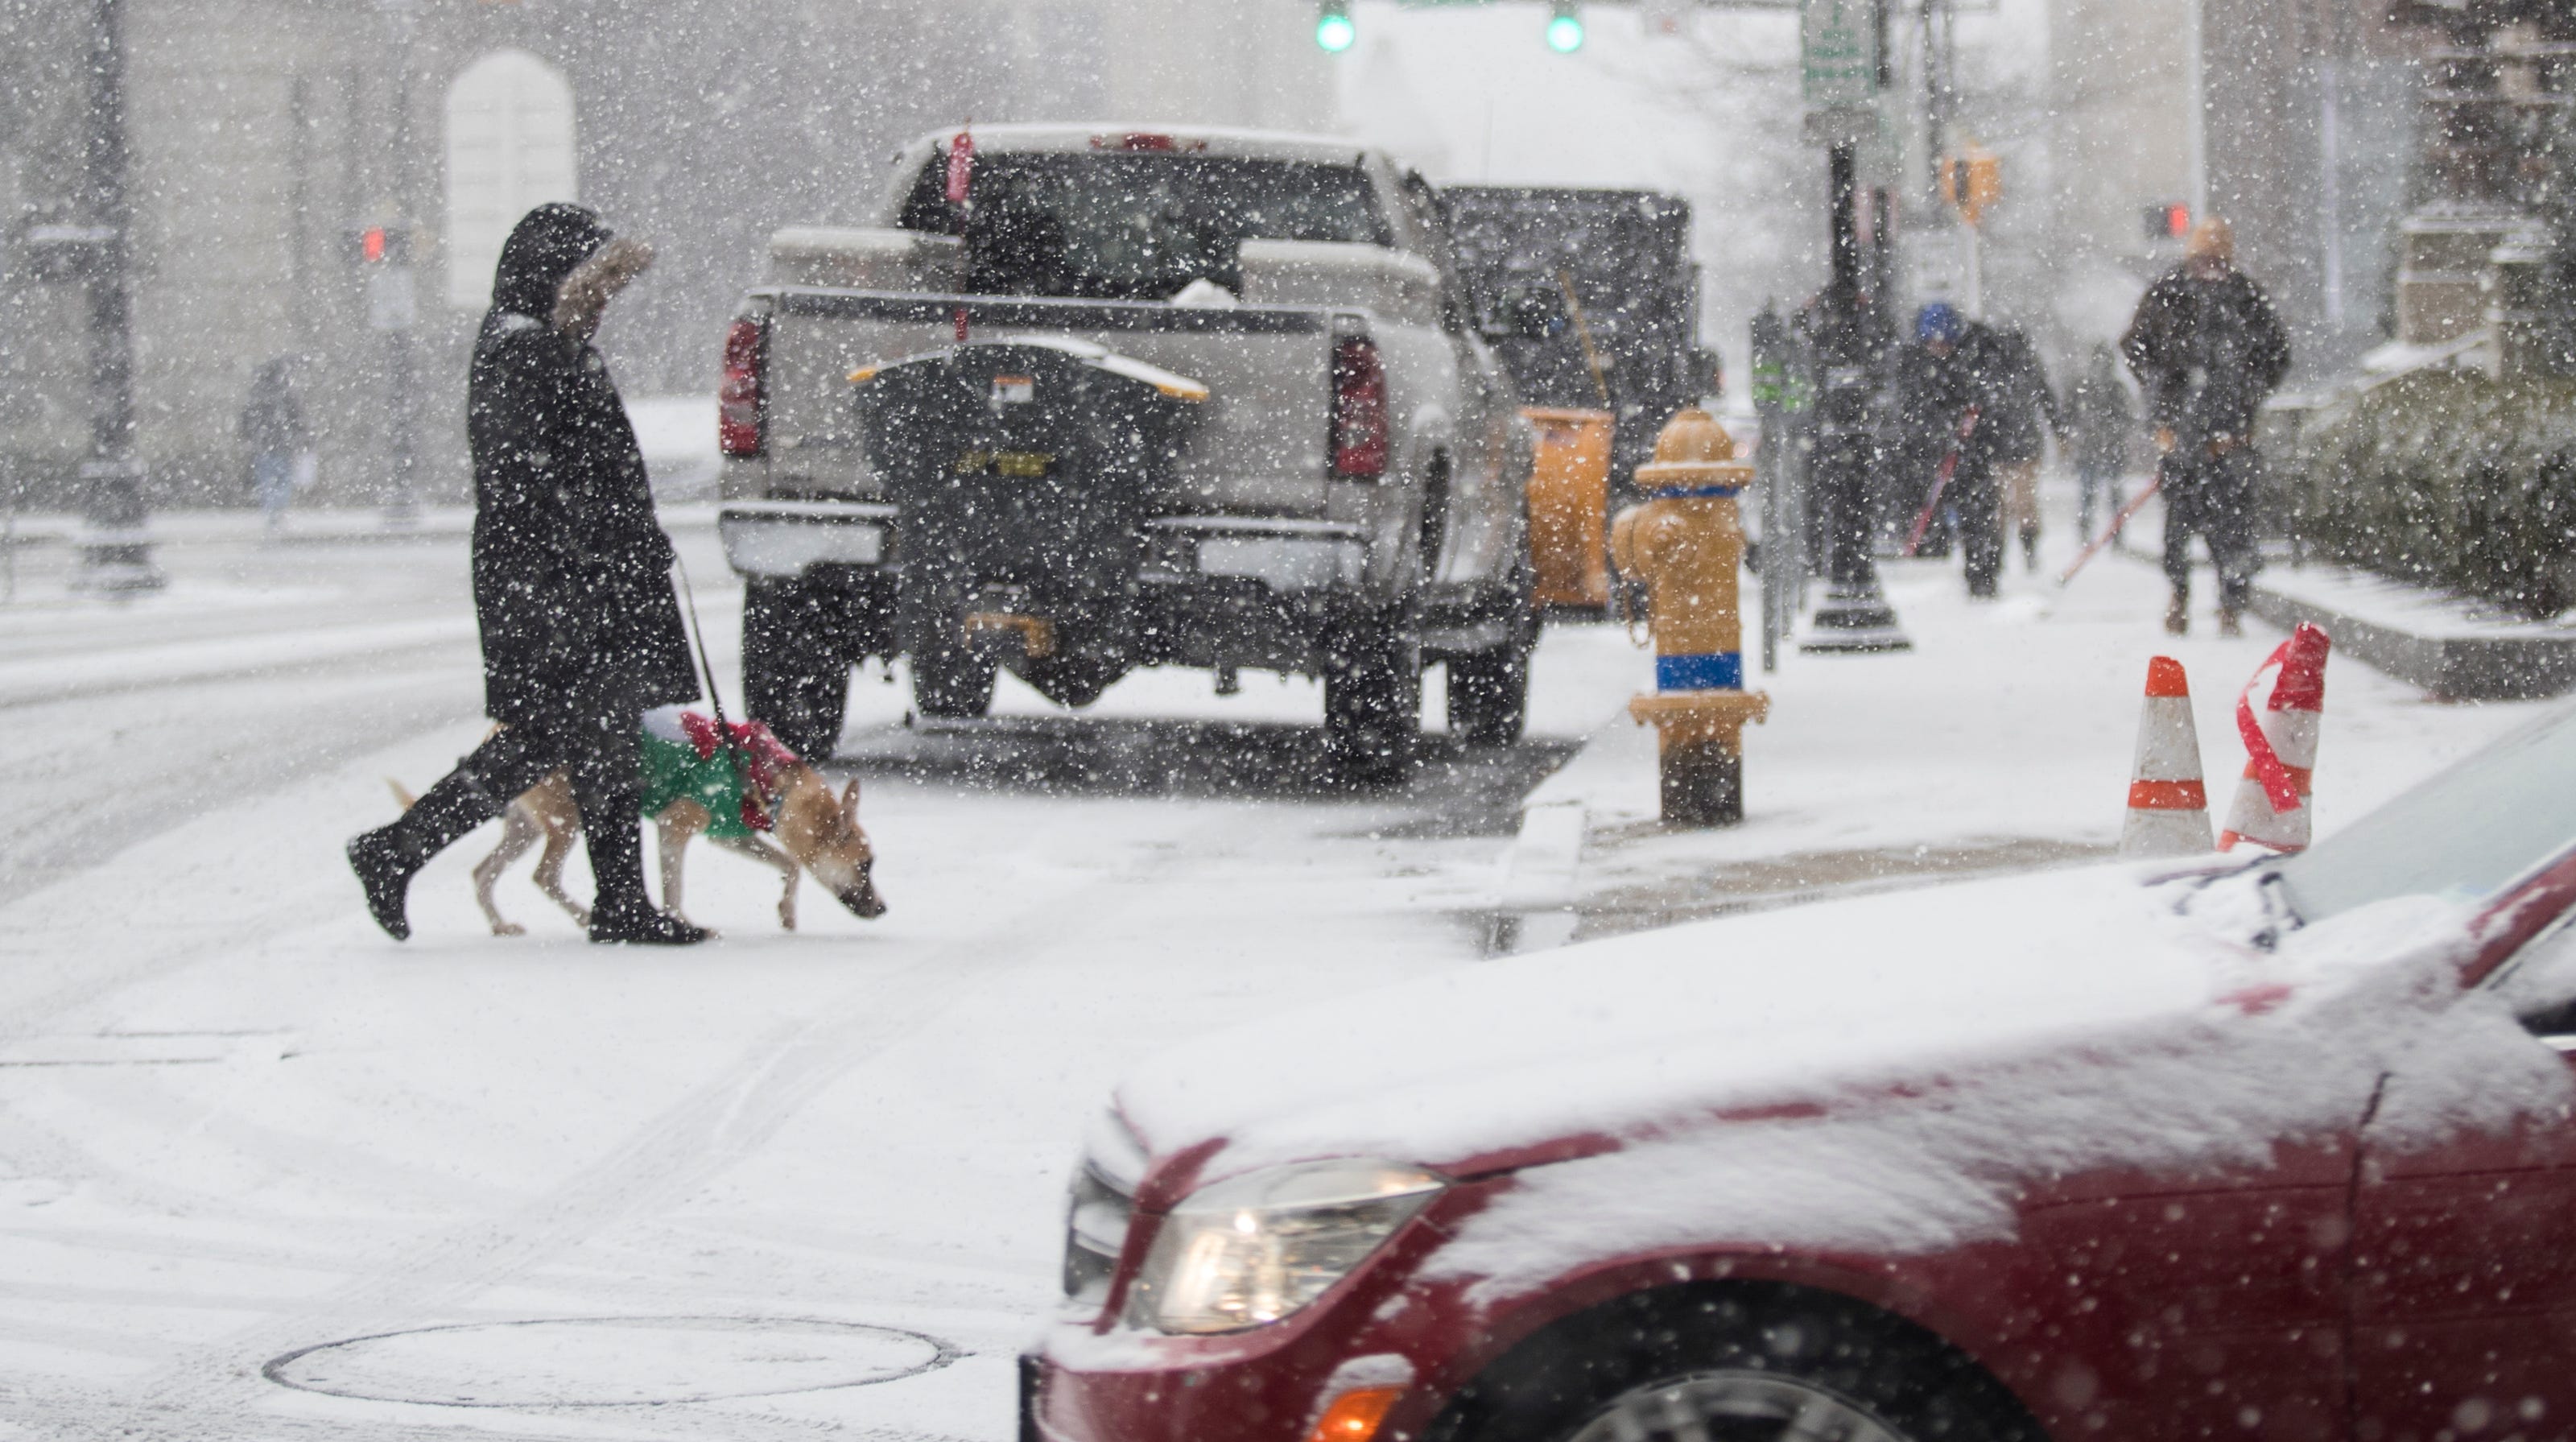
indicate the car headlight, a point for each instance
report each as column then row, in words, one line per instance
column 1252, row 1249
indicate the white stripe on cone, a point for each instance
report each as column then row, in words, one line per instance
column 2287, row 726
column 2168, row 760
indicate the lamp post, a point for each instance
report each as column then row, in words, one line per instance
column 392, row 291
column 115, row 546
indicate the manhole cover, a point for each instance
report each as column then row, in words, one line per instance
column 609, row 1361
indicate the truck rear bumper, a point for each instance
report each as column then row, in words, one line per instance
column 783, row 538
column 1287, row 556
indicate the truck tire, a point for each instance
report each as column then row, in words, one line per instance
column 1489, row 696
column 952, row 683
column 795, row 665
column 1373, row 699
column 1489, row 690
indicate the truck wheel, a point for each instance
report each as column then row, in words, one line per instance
column 1373, row 700
column 795, row 672
column 1489, row 690
column 1489, row 696
column 1707, row 1363
column 952, row 683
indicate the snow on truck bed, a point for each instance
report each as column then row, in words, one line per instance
column 1898, row 1069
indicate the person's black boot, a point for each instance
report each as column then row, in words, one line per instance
column 385, row 868
column 623, row 913
column 635, row 923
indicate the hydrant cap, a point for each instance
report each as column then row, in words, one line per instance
column 1694, row 450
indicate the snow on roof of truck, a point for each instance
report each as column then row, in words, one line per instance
column 1120, row 136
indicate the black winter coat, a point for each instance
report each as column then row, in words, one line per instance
column 2206, row 352
column 572, row 584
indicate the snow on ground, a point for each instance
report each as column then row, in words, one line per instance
column 236, row 1123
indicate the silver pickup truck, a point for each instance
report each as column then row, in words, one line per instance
column 1345, row 496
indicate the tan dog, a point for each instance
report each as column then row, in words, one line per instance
column 817, row 833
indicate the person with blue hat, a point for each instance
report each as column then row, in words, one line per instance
column 1947, row 370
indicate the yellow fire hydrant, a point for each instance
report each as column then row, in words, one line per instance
column 1685, row 542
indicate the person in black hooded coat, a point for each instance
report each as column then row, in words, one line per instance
column 572, row 588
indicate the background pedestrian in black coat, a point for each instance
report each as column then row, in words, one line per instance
column 572, row 587
column 2098, row 415
column 2208, row 348
column 1953, row 364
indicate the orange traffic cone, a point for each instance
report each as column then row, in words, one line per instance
column 2168, row 808
column 2271, row 805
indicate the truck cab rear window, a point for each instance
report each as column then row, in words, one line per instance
column 1134, row 227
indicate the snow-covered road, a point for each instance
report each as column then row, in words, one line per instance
column 537, row 1187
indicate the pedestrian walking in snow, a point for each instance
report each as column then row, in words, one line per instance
column 572, row 587
column 1950, row 368
column 2025, row 412
column 2100, row 423
column 2207, row 348
column 281, row 455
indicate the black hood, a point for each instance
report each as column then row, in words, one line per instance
column 542, row 249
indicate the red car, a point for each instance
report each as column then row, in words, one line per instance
column 2276, row 1150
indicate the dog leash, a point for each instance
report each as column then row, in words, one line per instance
column 725, row 740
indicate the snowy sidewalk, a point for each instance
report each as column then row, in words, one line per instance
column 2002, row 741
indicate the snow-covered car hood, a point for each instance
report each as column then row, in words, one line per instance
column 1637, row 1031
column 1884, row 1074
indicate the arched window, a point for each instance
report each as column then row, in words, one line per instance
column 509, row 148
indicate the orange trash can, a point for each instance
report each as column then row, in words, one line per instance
column 1569, row 502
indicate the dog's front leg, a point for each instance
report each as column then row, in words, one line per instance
column 768, row 855
column 550, row 805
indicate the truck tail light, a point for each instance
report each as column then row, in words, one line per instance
column 742, row 397
column 1359, row 438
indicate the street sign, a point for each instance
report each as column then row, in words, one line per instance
column 1838, row 52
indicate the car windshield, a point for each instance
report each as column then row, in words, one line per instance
column 1135, row 226
column 2467, row 833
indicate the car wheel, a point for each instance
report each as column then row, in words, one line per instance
column 1373, row 699
column 953, row 683
column 795, row 672
column 1722, row 1362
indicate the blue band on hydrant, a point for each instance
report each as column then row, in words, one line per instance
column 1711, row 671
column 1692, row 493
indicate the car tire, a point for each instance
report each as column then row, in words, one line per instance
column 953, row 683
column 1735, row 1362
column 1373, row 698
column 795, row 665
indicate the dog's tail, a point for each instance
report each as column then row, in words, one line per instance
column 406, row 798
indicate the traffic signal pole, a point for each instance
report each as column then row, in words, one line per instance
column 1849, row 343
column 393, row 307
column 115, row 546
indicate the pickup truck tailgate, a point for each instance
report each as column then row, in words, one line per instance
column 1260, row 449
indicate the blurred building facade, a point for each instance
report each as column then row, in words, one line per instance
column 2309, row 111
column 268, row 135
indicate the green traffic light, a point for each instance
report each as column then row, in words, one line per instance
column 1565, row 34
column 1334, row 32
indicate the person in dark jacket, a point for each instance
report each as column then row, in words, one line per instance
column 2024, row 412
column 272, row 424
column 2207, row 348
column 572, row 587
column 1951, row 366
column 2100, row 422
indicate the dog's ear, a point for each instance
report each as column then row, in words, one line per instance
column 850, row 802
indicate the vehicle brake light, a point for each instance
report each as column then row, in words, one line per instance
column 742, row 397
column 1138, row 140
column 1359, row 437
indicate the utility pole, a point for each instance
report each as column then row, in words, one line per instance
column 115, row 546
column 392, row 291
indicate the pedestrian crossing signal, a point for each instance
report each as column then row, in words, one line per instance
column 2170, row 220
